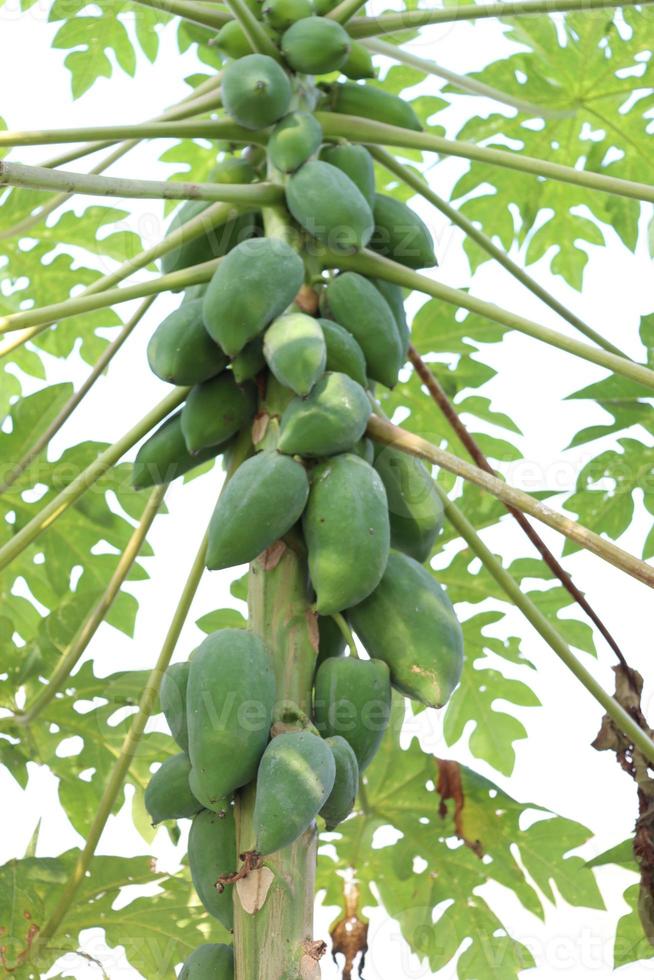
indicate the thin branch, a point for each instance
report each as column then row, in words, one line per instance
column 59, row 504
column 346, row 633
column 391, row 435
column 409, row 20
column 368, row 263
column 465, row 83
column 253, row 29
column 206, row 14
column 214, row 129
column 345, row 10
column 75, row 399
column 70, row 658
column 360, row 130
column 439, row 396
column 418, row 184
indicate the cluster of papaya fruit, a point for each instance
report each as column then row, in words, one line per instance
column 283, row 351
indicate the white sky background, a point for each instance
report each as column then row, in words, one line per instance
column 556, row 768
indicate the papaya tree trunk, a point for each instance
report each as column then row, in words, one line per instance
column 273, row 906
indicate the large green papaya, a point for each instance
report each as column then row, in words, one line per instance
column 352, row 699
column 414, row 506
column 212, row 853
column 215, row 410
column 211, row 961
column 424, row 650
column 295, row 350
column 356, row 162
column 394, row 296
column 358, row 63
column 181, row 351
column 172, row 698
column 296, row 775
column 329, row 206
column 250, row 287
column 249, row 362
column 372, row 103
column 346, row 530
column 343, row 352
column 262, row 501
column 340, row 801
column 400, row 234
column 360, row 308
column 256, row 91
column 280, row 14
column 164, row 456
column 331, row 642
column 329, row 420
column 293, row 140
column 315, row 45
column 168, row 795
column 230, row 673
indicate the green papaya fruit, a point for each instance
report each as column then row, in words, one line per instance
column 424, row 650
column 194, row 292
column 280, row 14
column 400, row 234
column 212, row 853
column 373, row 103
column 172, row 698
column 352, row 698
column 365, row 449
column 329, row 420
column 233, row 170
column 256, row 91
column 232, row 41
column 327, row 204
column 346, row 530
column 164, row 456
column 250, row 287
column 340, row 801
column 323, row 7
column 414, row 506
column 211, row 243
column 262, row 501
column 295, row 351
column 181, row 351
column 343, row 352
column 358, row 63
column 295, row 777
column 315, row 45
column 356, row 163
column 293, row 140
column 247, row 364
column 331, row 642
column 360, row 308
column 229, row 704
column 215, row 410
column 394, row 296
column 211, row 961
column 168, row 795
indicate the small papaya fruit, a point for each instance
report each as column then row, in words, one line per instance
column 294, row 139
column 247, row 364
column 400, row 234
column 352, row 698
column 340, row 801
column 394, row 296
column 296, row 775
column 212, row 853
column 327, row 204
column 168, row 795
column 414, row 506
column 256, row 91
column 331, row 642
column 346, row 530
column 172, row 698
column 424, row 650
column 280, row 14
column 211, row 961
column 212, row 242
column 164, row 456
column 343, row 352
column 373, row 103
column 229, row 704
column 329, row 420
column 262, row 501
column 215, row 410
column 315, row 45
column 360, row 308
column 250, row 287
column 232, row 41
column 358, row 63
column 356, row 163
column 181, row 351
column 295, row 351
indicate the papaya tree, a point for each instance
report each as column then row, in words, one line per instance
column 314, row 363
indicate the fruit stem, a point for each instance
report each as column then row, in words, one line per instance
column 86, row 479
column 392, row 435
column 415, row 181
column 215, row 129
column 343, row 626
column 345, row 10
column 253, row 29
